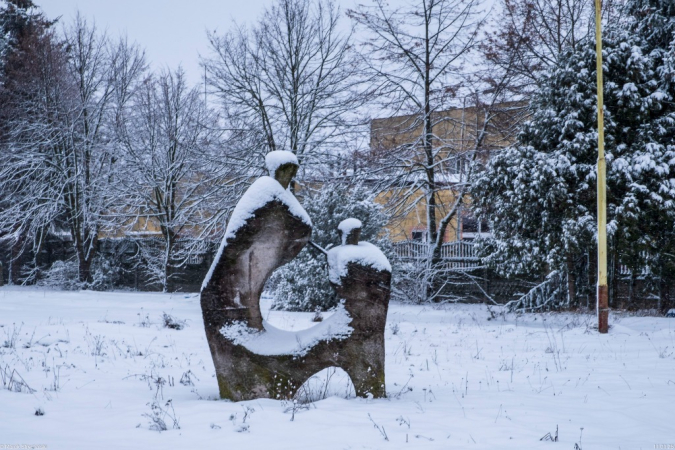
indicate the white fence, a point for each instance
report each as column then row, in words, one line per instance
column 451, row 251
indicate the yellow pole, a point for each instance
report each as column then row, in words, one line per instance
column 603, row 292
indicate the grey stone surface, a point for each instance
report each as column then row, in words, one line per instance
column 269, row 239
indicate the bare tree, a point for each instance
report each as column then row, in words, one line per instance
column 530, row 35
column 59, row 155
column 289, row 82
column 417, row 53
column 24, row 31
column 31, row 82
column 170, row 139
column 451, row 108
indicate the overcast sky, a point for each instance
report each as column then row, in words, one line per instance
column 173, row 32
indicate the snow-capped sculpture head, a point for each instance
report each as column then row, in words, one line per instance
column 350, row 231
column 352, row 251
column 282, row 165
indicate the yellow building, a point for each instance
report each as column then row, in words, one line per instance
column 458, row 134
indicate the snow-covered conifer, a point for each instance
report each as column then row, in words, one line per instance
column 540, row 194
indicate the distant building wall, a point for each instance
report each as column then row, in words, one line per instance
column 454, row 132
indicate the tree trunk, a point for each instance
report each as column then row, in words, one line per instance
column 571, row 281
column 631, row 291
column 14, row 261
column 433, row 281
column 613, row 280
column 170, row 240
column 167, row 284
column 85, row 256
column 39, row 246
column 428, row 144
column 84, row 267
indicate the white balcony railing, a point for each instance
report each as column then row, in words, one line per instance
column 450, row 251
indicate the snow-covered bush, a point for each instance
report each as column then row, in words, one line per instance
column 61, row 274
column 413, row 283
column 545, row 296
column 105, row 273
column 302, row 285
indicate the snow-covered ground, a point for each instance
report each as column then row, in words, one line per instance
column 455, row 379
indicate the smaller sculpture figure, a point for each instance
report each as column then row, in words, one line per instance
column 361, row 275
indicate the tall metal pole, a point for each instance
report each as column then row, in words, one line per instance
column 603, row 291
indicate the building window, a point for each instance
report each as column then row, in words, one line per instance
column 469, row 224
column 419, row 236
column 471, row 227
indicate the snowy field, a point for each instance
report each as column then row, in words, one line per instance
column 95, row 363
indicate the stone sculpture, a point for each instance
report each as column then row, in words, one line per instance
column 268, row 228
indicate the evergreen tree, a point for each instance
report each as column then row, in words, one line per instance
column 539, row 195
column 654, row 21
column 20, row 23
column 302, row 285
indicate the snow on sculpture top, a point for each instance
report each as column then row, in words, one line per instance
column 263, row 191
column 365, row 254
column 278, row 158
column 347, row 226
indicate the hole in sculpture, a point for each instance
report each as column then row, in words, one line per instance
column 287, row 320
column 329, row 382
column 301, row 285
